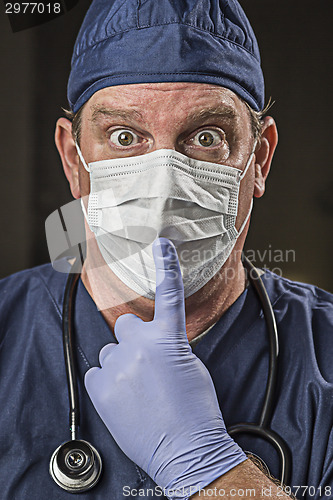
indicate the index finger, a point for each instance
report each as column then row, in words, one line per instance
column 169, row 297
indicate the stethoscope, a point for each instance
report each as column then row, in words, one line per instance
column 76, row 465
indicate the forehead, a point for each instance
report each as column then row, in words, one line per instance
column 147, row 99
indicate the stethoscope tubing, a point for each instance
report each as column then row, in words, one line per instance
column 274, row 439
column 68, row 345
column 262, row 429
column 256, row 281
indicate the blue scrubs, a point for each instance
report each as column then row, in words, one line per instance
column 34, row 400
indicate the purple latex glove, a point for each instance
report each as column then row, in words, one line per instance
column 157, row 398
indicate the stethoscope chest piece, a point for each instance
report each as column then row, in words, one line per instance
column 76, row 466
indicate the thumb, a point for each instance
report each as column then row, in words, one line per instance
column 169, row 297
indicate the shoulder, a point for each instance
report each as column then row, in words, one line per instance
column 293, row 293
column 304, row 315
column 300, row 304
column 32, row 287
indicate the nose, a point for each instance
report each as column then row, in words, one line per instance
column 165, row 130
column 165, row 141
column 166, row 124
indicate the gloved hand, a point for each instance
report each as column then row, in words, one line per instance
column 157, row 398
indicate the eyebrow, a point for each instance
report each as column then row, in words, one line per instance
column 221, row 112
column 99, row 111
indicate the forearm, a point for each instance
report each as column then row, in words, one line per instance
column 242, row 482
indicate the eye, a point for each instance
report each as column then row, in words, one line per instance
column 207, row 138
column 123, row 137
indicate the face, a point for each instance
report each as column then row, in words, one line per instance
column 202, row 121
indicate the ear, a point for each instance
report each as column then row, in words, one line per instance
column 69, row 157
column 264, row 154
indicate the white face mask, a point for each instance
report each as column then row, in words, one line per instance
column 193, row 203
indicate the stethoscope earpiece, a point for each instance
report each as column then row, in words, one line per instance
column 76, row 466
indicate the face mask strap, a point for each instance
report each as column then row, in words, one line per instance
column 84, row 210
column 81, row 157
column 241, row 229
column 249, row 161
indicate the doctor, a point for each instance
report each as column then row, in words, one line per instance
column 162, row 389
column 167, row 135
column 176, row 148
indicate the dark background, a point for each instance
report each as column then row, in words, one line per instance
column 296, row 212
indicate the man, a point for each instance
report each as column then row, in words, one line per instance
column 166, row 141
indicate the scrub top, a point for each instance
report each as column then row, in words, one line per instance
column 34, row 410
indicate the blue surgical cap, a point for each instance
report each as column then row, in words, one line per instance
column 139, row 41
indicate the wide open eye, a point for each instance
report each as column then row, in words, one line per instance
column 207, row 138
column 123, row 137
